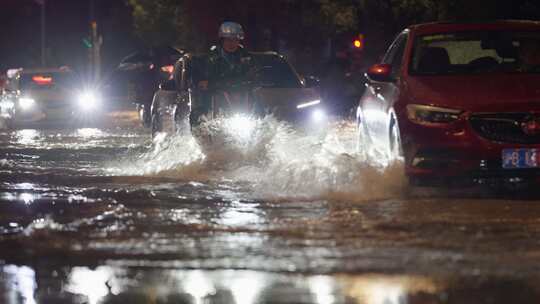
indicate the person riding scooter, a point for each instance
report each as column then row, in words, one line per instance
column 228, row 65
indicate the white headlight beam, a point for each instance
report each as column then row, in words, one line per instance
column 308, row 104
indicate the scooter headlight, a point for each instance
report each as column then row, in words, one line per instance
column 26, row 103
column 241, row 125
column 318, row 115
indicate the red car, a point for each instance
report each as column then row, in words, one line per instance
column 458, row 100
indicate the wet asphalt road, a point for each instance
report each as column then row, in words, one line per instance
column 106, row 215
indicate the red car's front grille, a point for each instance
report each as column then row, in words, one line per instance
column 506, row 127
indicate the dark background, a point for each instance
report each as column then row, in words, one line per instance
column 301, row 28
column 67, row 25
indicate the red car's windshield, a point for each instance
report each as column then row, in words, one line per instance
column 476, row 52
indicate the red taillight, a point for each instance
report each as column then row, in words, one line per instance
column 167, row 69
column 42, row 80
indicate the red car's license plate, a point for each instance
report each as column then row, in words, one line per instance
column 520, row 158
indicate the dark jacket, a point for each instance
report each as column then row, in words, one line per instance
column 224, row 71
column 226, row 68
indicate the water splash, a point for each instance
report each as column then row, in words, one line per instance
column 323, row 165
column 276, row 160
column 45, row 224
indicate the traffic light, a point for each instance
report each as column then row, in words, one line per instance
column 357, row 52
column 358, row 42
column 87, row 43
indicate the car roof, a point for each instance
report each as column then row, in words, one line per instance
column 450, row 26
column 273, row 55
column 262, row 54
column 257, row 55
column 269, row 54
column 45, row 70
column 146, row 54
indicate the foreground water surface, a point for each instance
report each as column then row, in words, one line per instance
column 274, row 215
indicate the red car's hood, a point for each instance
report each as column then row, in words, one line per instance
column 478, row 93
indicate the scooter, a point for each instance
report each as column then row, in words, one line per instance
column 231, row 122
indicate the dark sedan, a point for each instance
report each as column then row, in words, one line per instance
column 278, row 89
column 140, row 74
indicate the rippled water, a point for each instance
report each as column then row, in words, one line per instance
column 109, row 285
column 272, row 161
column 253, row 213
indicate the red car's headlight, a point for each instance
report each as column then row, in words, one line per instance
column 429, row 115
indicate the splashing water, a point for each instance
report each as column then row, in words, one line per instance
column 276, row 160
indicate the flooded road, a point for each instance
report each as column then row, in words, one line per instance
column 108, row 215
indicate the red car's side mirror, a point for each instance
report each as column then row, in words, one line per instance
column 380, row 72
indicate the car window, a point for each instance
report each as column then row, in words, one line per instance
column 476, row 52
column 163, row 56
column 270, row 71
column 274, row 71
column 196, row 70
column 393, row 49
column 137, row 58
column 46, row 81
column 463, row 52
column 398, row 55
column 394, row 55
column 179, row 74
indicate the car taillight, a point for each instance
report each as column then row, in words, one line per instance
column 167, row 69
column 42, row 80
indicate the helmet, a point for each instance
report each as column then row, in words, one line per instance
column 231, row 30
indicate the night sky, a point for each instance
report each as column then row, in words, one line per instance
column 67, row 26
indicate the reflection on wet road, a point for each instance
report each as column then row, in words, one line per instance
column 108, row 216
